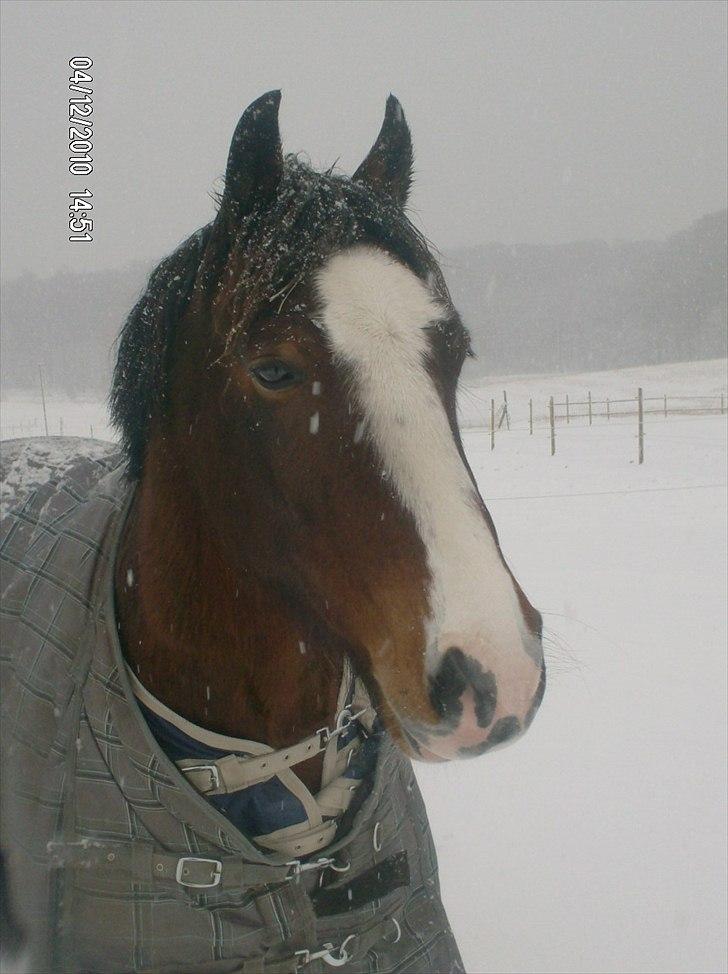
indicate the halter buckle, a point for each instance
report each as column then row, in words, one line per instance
column 212, row 770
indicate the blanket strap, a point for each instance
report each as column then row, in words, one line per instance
column 146, row 864
column 373, row 884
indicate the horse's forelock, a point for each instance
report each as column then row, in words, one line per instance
column 313, row 216
column 276, row 245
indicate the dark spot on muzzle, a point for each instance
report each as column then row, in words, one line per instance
column 457, row 673
column 503, row 730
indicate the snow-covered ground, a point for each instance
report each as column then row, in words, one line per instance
column 598, row 842
column 21, row 414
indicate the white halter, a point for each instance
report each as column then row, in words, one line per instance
column 251, row 763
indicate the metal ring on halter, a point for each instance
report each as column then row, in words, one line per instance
column 398, row 931
column 343, row 958
column 343, row 719
column 377, row 837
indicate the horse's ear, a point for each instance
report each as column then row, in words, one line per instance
column 255, row 161
column 388, row 167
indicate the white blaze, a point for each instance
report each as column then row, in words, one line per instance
column 375, row 311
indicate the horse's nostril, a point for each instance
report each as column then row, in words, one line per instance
column 448, row 684
column 458, row 672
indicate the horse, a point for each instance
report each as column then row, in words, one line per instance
column 300, row 572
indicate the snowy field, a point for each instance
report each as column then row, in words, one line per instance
column 598, row 842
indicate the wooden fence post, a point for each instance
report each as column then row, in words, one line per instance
column 590, row 409
column 505, row 410
column 567, row 409
column 553, row 427
column 492, row 424
column 92, row 431
column 42, row 397
column 664, row 404
column 60, row 424
column 640, row 427
column 530, row 416
column 608, row 414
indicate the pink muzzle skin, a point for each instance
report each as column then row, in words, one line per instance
column 478, row 711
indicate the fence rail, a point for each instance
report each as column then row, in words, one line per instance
column 691, row 405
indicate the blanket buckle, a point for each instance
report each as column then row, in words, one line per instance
column 183, row 870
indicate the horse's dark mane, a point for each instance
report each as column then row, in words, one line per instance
column 272, row 248
column 139, row 385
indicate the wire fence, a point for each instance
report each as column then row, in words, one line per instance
column 591, row 411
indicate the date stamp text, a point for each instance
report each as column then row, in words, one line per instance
column 80, row 147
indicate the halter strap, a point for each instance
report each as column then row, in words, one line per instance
column 223, row 776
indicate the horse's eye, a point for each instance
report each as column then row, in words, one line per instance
column 275, row 374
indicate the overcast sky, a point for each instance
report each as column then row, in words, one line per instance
column 532, row 122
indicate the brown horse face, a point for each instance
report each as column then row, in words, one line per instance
column 353, row 495
column 351, row 492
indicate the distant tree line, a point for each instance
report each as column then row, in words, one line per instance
column 68, row 324
column 593, row 305
column 530, row 308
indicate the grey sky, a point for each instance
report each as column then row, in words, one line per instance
column 540, row 122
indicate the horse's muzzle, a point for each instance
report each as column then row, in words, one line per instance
column 479, row 709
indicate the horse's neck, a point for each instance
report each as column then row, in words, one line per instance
column 210, row 639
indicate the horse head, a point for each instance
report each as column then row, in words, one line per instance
column 303, row 357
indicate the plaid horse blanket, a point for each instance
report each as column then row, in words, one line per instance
column 114, row 862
